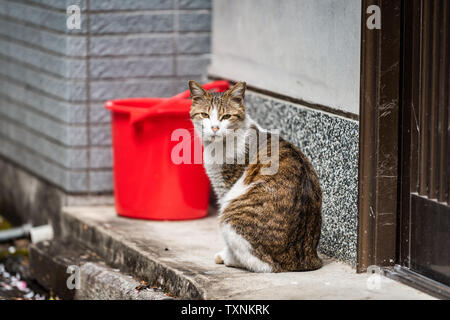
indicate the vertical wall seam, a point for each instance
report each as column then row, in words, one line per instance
column 88, row 96
column 176, row 29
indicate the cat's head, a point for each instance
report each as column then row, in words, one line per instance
column 213, row 113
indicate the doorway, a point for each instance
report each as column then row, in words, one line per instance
column 404, row 168
column 425, row 141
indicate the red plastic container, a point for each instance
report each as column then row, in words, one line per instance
column 147, row 183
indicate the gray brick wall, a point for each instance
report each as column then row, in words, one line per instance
column 54, row 81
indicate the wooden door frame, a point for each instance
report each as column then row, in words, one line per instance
column 380, row 98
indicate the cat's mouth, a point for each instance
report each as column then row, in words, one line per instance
column 215, row 138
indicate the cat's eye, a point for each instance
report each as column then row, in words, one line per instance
column 204, row 115
column 226, row 116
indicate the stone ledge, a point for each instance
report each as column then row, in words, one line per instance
column 102, row 283
column 179, row 256
column 49, row 261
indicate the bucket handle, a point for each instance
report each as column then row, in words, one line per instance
column 136, row 117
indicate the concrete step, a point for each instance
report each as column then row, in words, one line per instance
column 179, row 257
column 57, row 264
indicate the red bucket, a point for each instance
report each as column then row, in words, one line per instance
column 148, row 184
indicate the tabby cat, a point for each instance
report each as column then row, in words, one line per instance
column 270, row 222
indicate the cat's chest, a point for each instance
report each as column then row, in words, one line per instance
column 224, row 171
column 214, row 172
column 223, row 176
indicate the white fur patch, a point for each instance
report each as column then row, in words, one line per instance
column 214, row 117
column 241, row 251
column 238, row 189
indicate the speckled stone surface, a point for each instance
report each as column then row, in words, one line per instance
column 331, row 143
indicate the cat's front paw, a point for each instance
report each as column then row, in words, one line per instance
column 218, row 258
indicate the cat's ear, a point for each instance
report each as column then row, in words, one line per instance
column 237, row 92
column 196, row 89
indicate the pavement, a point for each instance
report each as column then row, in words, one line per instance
column 179, row 257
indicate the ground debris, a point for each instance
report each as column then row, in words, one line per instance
column 170, row 295
column 146, row 285
column 16, row 282
column 13, row 286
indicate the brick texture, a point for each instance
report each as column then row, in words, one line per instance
column 54, row 81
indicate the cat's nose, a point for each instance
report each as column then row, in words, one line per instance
column 215, row 129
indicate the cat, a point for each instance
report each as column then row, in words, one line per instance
column 270, row 222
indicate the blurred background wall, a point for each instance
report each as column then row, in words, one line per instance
column 305, row 49
column 54, row 81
